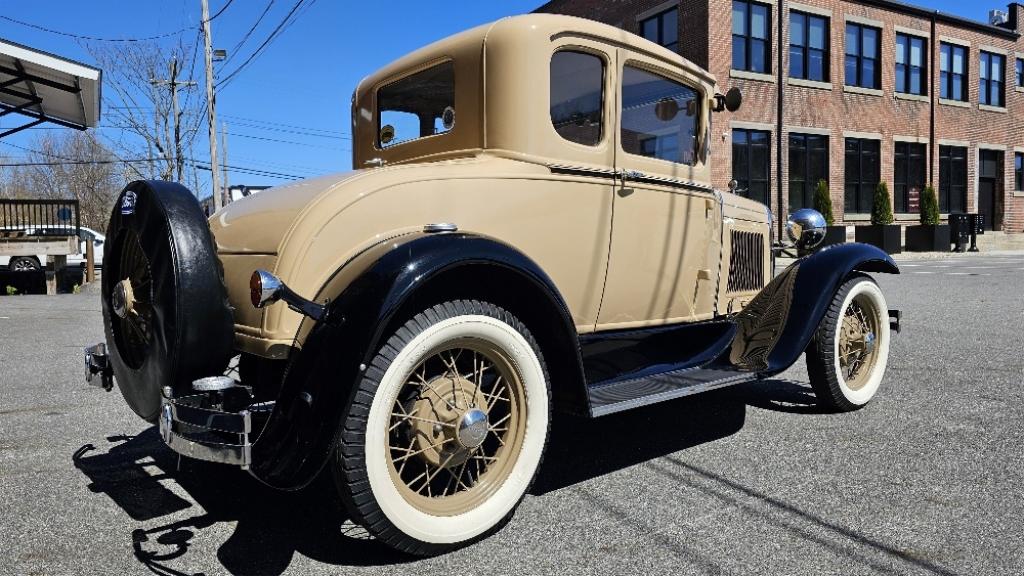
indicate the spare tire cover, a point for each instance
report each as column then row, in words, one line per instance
column 165, row 309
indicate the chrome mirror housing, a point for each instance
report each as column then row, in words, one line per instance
column 806, row 228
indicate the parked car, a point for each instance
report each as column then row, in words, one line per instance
column 38, row 261
column 531, row 230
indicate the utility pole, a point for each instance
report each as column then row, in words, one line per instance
column 224, row 144
column 172, row 83
column 211, row 107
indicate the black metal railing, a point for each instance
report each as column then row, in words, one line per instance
column 19, row 218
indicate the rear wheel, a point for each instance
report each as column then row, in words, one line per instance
column 848, row 355
column 23, row 264
column 447, row 429
column 165, row 308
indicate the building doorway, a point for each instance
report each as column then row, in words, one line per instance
column 990, row 188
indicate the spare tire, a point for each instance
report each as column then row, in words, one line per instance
column 165, row 309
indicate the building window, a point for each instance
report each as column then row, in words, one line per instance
column 911, row 64
column 751, row 155
column 863, row 174
column 662, row 29
column 659, row 117
column 952, row 179
column 808, row 47
column 1018, row 171
column 751, row 23
column 808, row 163
column 990, row 80
column 953, row 72
column 910, row 174
column 863, row 45
column 1020, row 72
column 577, row 96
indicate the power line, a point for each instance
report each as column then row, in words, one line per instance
column 287, row 131
column 269, row 123
column 245, row 38
column 98, row 39
column 259, row 50
column 251, row 137
column 252, row 171
column 78, row 162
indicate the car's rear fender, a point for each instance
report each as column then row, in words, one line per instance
column 384, row 286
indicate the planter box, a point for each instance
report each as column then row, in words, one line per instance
column 884, row 236
column 26, row 282
column 928, row 238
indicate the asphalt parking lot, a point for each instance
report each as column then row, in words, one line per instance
column 748, row 480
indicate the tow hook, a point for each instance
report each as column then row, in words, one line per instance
column 895, row 316
column 97, row 367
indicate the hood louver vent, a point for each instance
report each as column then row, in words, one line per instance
column 746, row 262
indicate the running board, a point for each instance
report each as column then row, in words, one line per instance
column 628, row 394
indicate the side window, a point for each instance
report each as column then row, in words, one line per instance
column 659, row 117
column 577, row 96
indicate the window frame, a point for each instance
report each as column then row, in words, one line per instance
column 748, row 39
column 809, row 184
column 659, row 19
column 947, row 156
column 1018, row 171
column 989, row 82
column 912, row 153
column 749, row 168
column 908, row 66
column 860, row 58
column 806, row 46
column 605, row 67
column 855, row 207
column 949, row 74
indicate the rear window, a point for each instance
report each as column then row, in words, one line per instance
column 417, row 106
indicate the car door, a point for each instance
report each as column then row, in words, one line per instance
column 666, row 229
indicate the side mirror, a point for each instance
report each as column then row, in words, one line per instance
column 731, row 101
column 806, row 228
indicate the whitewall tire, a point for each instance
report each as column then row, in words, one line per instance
column 447, row 429
column 847, row 357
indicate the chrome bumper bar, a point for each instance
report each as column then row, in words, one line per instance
column 194, row 426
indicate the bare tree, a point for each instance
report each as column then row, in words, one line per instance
column 66, row 165
column 142, row 77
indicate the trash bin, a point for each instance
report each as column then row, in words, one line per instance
column 959, row 230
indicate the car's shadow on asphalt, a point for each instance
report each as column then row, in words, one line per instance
column 272, row 526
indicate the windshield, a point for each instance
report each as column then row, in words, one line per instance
column 417, row 106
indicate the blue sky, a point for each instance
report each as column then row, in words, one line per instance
column 303, row 81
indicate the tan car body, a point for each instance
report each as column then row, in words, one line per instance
column 622, row 253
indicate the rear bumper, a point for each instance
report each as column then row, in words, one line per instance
column 197, row 426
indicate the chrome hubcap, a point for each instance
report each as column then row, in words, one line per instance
column 473, row 428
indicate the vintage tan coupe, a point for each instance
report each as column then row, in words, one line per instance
column 530, row 230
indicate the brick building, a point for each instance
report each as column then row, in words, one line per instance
column 870, row 90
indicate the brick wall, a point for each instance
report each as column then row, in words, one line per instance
column 706, row 39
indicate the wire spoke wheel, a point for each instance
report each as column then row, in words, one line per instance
column 857, row 341
column 132, row 301
column 456, row 427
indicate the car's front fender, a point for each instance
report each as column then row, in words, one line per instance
column 775, row 328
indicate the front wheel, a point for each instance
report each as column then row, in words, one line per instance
column 446, row 430
column 846, row 359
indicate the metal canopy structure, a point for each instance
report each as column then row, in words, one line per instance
column 47, row 88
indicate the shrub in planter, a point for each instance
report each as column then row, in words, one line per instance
column 882, row 232
column 823, row 203
column 931, row 235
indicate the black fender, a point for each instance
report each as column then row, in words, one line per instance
column 777, row 325
column 391, row 281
